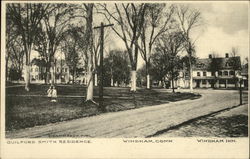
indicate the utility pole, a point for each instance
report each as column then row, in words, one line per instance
column 55, row 70
column 101, row 27
column 240, row 92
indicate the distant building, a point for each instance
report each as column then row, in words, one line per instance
column 244, row 74
column 35, row 73
column 213, row 73
column 61, row 72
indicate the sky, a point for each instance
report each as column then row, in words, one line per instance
column 225, row 26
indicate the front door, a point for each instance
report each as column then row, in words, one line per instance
column 198, row 83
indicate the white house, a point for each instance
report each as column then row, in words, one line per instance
column 213, row 73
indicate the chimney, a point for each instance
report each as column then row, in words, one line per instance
column 210, row 56
column 226, row 55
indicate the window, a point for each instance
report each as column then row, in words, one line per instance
column 226, row 73
column 36, row 77
column 36, row 70
column 57, row 76
column 222, row 81
column 31, row 70
column 213, row 73
column 231, row 81
column 58, row 69
column 204, row 81
column 198, row 74
column 220, row 73
column 180, row 74
column 229, row 64
column 231, row 73
column 211, row 81
column 66, row 70
column 199, row 65
column 204, row 73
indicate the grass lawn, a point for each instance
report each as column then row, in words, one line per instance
column 36, row 109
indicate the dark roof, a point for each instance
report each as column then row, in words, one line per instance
column 244, row 70
column 220, row 63
column 60, row 62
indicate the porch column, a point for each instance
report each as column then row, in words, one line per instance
column 207, row 84
column 217, row 84
column 226, row 83
column 238, row 83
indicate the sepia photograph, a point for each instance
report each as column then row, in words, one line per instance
column 139, row 71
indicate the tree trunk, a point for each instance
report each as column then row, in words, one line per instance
column 148, row 81
column 148, row 76
column 89, row 31
column 191, row 79
column 52, row 73
column 112, row 81
column 90, row 87
column 27, row 68
column 6, row 69
column 111, row 78
column 73, row 77
column 61, row 71
column 85, row 80
column 163, row 84
column 27, row 77
column 191, row 76
column 46, row 78
column 96, row 80
column 133, row 81
column 134, row 66
column 172, row 78
column 173, row 84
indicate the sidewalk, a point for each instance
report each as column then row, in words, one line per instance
column 228, row 123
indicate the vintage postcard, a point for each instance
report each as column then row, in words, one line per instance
column 124, row 79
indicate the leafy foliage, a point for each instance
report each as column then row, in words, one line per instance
column 15, row 74
column 116, row 66
column 166, row 61
column 71, row 49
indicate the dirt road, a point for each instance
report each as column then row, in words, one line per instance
column 143, row 122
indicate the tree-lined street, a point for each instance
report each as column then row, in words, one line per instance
column 134, row 52
column 125, row 79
